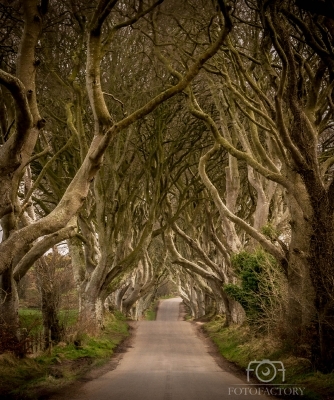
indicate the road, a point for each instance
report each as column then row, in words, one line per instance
column 168, row 361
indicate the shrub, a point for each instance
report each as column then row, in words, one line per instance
column 262, row 288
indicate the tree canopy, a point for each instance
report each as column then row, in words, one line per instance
column 189, row 141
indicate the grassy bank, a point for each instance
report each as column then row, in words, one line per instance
column 151, row 313
column 241, row 346
column 32, row 377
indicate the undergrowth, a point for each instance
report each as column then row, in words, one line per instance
column 27, row 378
column 241, row 345
column 151, row 313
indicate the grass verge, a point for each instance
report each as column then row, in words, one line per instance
column 151, row 313
column 241, row 346
column 33, row 378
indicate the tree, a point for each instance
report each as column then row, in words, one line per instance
column 274, row 81
column 105, row 20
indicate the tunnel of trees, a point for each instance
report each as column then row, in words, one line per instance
column 184, row 141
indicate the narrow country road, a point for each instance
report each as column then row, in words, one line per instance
column 167, row 362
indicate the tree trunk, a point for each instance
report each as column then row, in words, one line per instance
column 91, row 315
column 132, row 297
column 300, row 294
column 300, row 291
column 87, row 316
column 51, row 323
column 9, row 302
column 322, row 272
column 78, row 265
column 50, row 292
column 310, row 276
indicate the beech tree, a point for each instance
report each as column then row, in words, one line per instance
column 273, row 90
column 154, row 121
column 102, row 22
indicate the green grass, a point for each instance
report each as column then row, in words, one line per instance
column 25, row 378
column 241, row 346
column 31, row 319
column 151, row 313
column 68, row 317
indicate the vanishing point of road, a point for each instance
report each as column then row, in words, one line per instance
column 168, row 361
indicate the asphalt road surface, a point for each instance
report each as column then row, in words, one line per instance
column 168, row 361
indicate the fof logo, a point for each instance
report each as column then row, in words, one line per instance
column 265, row 370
